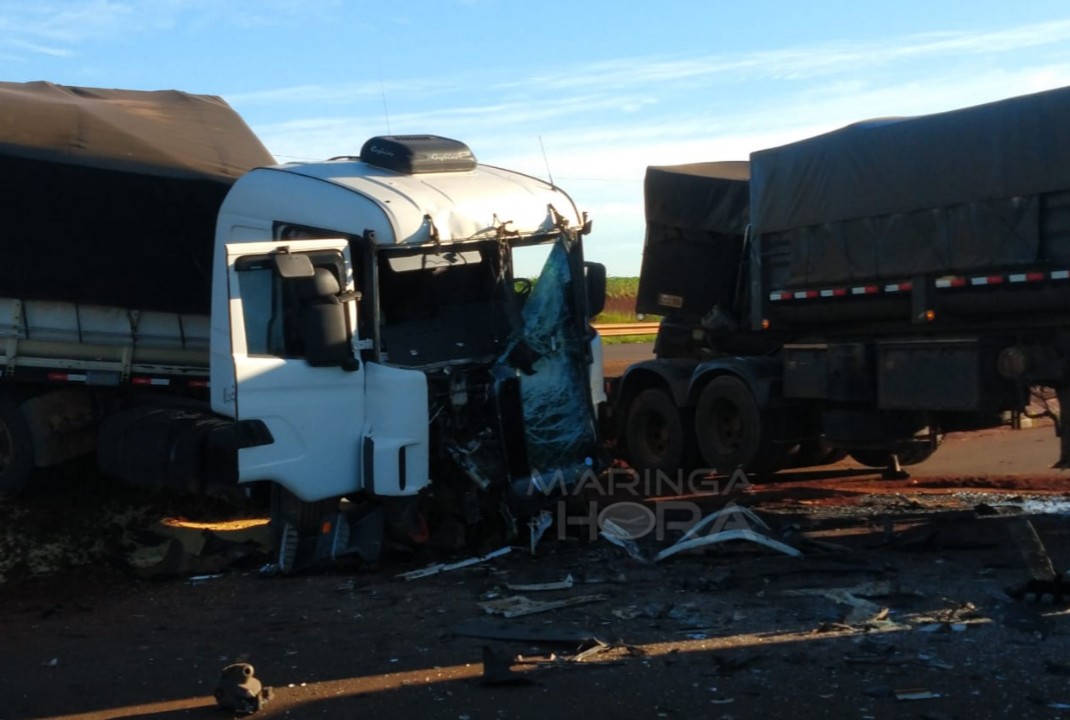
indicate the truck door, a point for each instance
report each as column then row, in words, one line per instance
column 301, row 409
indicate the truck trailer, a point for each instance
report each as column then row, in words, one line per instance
column 350, row 333
column 864, row 292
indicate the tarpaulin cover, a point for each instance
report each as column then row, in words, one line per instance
column 953, row 192
column 110, row 196
column 696, row 215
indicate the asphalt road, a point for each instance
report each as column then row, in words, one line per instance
column 617, row 357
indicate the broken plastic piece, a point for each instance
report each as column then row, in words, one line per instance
column 518, row 605
column 541, row 587
column 446, row 567
column 538, row 525
column 725, row 536
column 619, row 536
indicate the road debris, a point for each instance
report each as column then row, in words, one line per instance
column 238, row 690
column 745, row 525
column 862, row 610
column 490, row 629
column 537, row 527
column 1032, row 548
column 565, row 584
column 447, row 567
column 519, row 606
column 498, row 670
column 916, row 694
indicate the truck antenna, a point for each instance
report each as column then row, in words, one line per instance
column 547, row 161
column 386, row 112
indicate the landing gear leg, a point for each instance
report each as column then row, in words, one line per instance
column 1062, row 393
column 894, row 471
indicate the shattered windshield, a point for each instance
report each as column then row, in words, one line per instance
column 551, row 353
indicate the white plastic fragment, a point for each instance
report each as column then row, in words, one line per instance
column 538, row 526
column 541, row 587
column 724, row 536
column 447, row 567
column 518, row 605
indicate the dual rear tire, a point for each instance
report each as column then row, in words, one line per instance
column 726, row 431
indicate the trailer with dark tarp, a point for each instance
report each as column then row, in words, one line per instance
column 110, row 199
column 883, row 284
column 111, row 195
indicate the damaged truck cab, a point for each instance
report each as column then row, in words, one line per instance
column 388, row 371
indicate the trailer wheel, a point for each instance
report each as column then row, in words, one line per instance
column 658, row 439
column 16, row 448
column 731, row 429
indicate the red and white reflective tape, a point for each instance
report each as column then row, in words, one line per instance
column 1026, row 277
column 67, row 377
column 943, row 283
column 149, row 381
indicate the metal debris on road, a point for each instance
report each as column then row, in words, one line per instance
column 565, row 584
column 497, row 670
column 447, row 567
column 746, row 526
column 238, row 690
column 916, row 694
column 519, row 606
column 538, row 525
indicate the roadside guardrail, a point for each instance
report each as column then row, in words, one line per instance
column 620, row 329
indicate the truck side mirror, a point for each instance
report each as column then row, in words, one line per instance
column 595, row 283
column 323, row 323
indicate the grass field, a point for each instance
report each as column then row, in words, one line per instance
column 620, row 302
column 620, row 308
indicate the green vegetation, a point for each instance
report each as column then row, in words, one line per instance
column 621, row 293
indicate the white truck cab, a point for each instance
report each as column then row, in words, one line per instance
column 373, row 344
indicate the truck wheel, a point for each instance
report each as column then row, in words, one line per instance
column 731, row 430
column 656, row 436
column 16, row 448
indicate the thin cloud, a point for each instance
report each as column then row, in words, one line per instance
column 800, row 62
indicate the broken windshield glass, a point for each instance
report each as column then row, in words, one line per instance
column 555, row 393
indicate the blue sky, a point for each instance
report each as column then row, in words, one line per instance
column 604, row 88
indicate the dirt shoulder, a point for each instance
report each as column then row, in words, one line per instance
column 904, row 603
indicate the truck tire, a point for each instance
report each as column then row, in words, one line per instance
column 731, row 429
column 656, row 436
column 16, row 448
